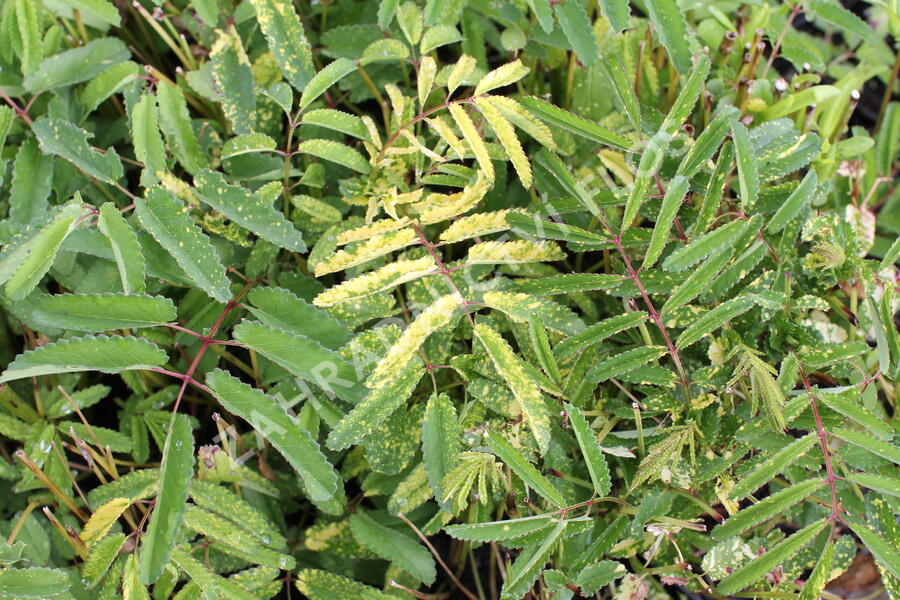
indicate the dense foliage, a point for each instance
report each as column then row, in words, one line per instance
column 448, row 299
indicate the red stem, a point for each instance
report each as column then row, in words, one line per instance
column 820, row 431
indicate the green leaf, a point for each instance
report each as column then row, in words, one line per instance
column 28, row 19
column 247, row 143
column 34, row 582
column 499, row 530
column 772, row 466
column 590, row 450
column 865, row 441
column 537, row 333
column 624, row 362
column 336, row 153
column 377, row 406
column 506, row 135
column 568, row 283
column 669, row 24
column 773, row 505
column 248, row 210
column 525, row 570
column 269, row 418
column 812, row 95
column 708, row 142
column 303, row 357
column 234, row 539
column 209, row 583
column 697, row 282
column 794, row 203
column 403, row 551
column 107, row 83
column 524, row 388
column 102, row 10
column 521, row 307
column 132, row 588
column 324, row 79
column 672, row 200
column 175, row 122
column 125, row 247
column 32, row 183
column 437, row 36
column 617, row 13
column 523, row 469
column 384, row 50
column 714, row 190
column 885, row 553
column 828, row 354
column 598, row 332
column 548, row 230
column 622, row 87
column 280, row 308
column 286, row 39
column 234, row 80
column 42, row 249
column 576, row 26
column 849, row 408
column 175, row 474
column 748, row 171
column 324, row 585
column 701, row 247
column 821, row 574
column 599, row 574
column 64, row 139
column 664, row 454
column 337, row 121
column 601, row 544
column 147, row 140
column 838, row 16
column 101, row 557
column 169, row 221
column 758, row 567
column 687, row 97
column 102, row 312
column 713, row 319
column 543, row 12
column 76, row 65
column 224, row 502
column 879, row 483
column 440, row 441
column 561, row 173
column 571, row 122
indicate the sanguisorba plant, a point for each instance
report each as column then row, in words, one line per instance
column 447, row 299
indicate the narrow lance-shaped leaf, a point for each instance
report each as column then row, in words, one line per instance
column 125, row 247
column 34, row 582
column 521, row 467
column 169, row 222
column 672, row 200
column 499, row 530
column 577, row 27
column 268, row 418
column 32, row 182
column 789, row 209
column 280, row 308
column 248, row 210
column 76, row 65
column 758, row 567
column 520, row 382
column 879, row 483
column 231, row 68
column 713, row 319
column 772, row 466
column 885, row 553
column 502, row 76
column 598, row 332
column 870, row 422
column 624, row 362
column 621, row 85
column 748, row 171
column 175, row 476
column 440, row 440
column 336, row 153
column 669, row 24
column 590, row 450
column 541, row 344
column 525, row 570
column 572, row 122
column 507, row 137
column 708, row 142
column 821, row 574
column 697, row 282
column 28, row 19
column 703, row 246
column 616, row 12
column 874, row 445
column 473, row 138
column 771, row 506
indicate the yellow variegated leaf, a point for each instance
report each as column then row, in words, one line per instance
column 521, row 118
column 427, row 73
column 408, row 135
column 524, row 388
column 473, row 138
column 507, row 136
column 477, row 225
column 358, row 234
column 440, row 207
column 371, row 249
column 461, row 71
column 521, row 307
column 519, row 251
column 501, row 76
column 443, row 129
column 429, row 320
column 102, row 520
column 379, row 280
